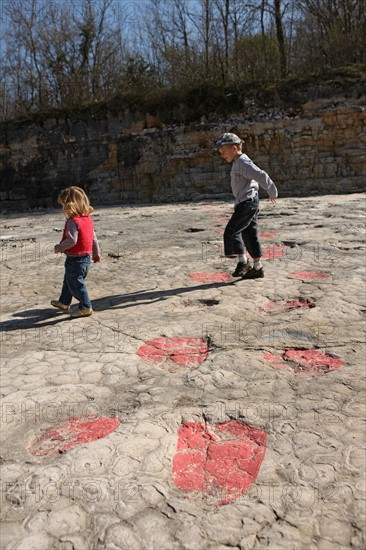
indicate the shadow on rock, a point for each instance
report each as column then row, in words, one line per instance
column 33, row 318
column 39, row 318
column 145, row 297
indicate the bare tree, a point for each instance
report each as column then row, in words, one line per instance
column 167, row 27
column 57, row 57
column 62, row 58
column 338, row 30
column 280, row 36
column 223, row 10
column 25, row 45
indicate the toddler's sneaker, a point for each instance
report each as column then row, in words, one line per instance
column 241, row 269
column 60, row 305
column 81, row 312
column 254, row 273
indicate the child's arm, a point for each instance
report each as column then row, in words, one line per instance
column 72, row 232
column 96, row 253
column 253, row 172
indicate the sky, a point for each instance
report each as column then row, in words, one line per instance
column 127, row 11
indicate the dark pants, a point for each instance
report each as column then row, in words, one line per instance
column 76, row 269
column 242, row 229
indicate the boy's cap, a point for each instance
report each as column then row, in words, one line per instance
column 228, row 138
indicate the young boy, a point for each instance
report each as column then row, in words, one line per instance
column 242, row 227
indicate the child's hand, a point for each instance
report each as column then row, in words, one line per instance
column 56, row 249
column 272, row 200
column 96, row 258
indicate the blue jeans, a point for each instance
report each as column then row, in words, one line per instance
column 242, row 229
column 76, row 269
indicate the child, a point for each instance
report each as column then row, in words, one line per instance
column 245, row 177
column 78, row 242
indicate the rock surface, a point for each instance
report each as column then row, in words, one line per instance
column 118, row 492
column 127, row 158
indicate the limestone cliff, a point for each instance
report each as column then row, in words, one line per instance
column 131, row 158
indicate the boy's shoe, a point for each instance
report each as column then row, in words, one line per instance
column 254, row 273
column 241, row 269
column 60, row 305
column 81, row 312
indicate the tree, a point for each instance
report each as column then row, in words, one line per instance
column 333, row 31
column 57, row 57
column 280, row 36
column 61, row 59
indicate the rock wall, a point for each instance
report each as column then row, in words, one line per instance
column 133, row 158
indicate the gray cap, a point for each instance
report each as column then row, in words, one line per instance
column 228, row 139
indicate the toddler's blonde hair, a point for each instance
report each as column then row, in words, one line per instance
column 74, row 202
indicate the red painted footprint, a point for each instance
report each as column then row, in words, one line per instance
column 210, row 276
column 173, row 354
column 267, row 235
column 305, row 361
column 308, row 275
column 71, row 432
column 221, row 460
column 216, row 229
column 273, row 307
column 273, row 251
